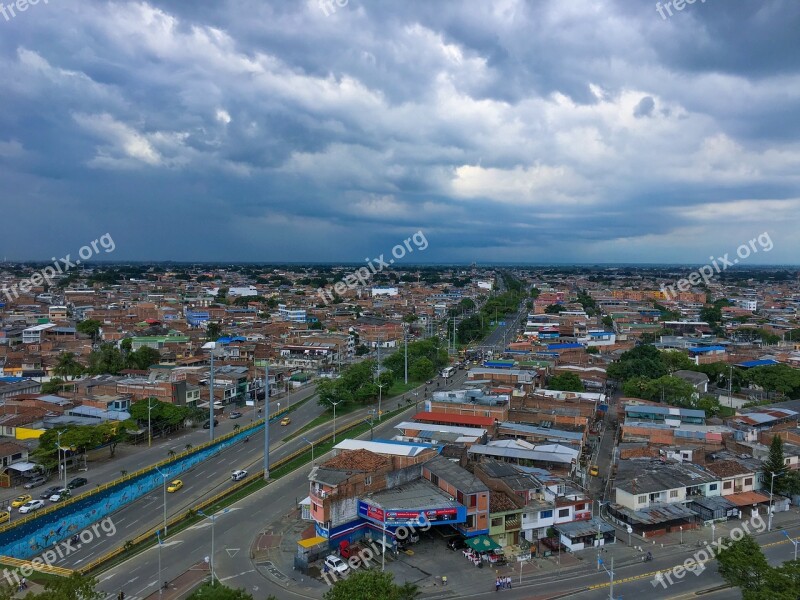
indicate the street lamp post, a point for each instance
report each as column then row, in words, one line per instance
column 212, row 348
column 611, row 576
column 266, row 420
column 405, row 340
column 307, row 441
column 713, row 529
column 213, row 519
column 164, row 478
column 149, row 428
column 64, row 467
column 380, row 397
column 681, row 528
column 771, row 487
column 158, row 583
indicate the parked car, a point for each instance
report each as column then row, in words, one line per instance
column 77, row 482
column 285, row 421
column 594, row 471
column 456, row 543
column 336, row 564
column 235, row 415
column 35, row 482
column 175, row 485
column 207, row 424
column 5, row 516
column 49, row 492
column 61, row 494
column 20, row 500
column 31, row 506
column 238, row 475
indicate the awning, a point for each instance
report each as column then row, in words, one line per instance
column 482, row 543
column 306, row 501
column 23, row 467
column 747, row 498
column 314, row 541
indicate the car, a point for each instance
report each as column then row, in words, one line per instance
column 429, row 382
column 61, row 494
column 5, row 516
column 207, row 424
column 235, row 415
column 77, row 482
column 238, row 475
column 456, row 543
column 31, row 506
column 285, row 421
column 49, row 492
column 20, row 500
column 35, row 482
column 336, row 564
column 175, row 485
column 594, row 471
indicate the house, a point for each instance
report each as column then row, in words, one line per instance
column 697, row 379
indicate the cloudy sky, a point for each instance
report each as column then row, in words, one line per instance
column 508, row 131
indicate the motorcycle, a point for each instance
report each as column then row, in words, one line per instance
column 647, row 558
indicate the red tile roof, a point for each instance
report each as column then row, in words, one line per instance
column 453, row 419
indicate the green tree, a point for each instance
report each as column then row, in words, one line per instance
column 567, row 382
column 371, row 585
column 74, row 587
column 213, row 331
column 421, row 369
column 553, row 309
column 107, row 360
column 90, row 327
column 142, row 358
column 67, row 366
column 55, row 385
column 676, row 361
column 775, row 465
column 742, row 564
column 219, row 591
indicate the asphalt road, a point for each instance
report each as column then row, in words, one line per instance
column 234, row 535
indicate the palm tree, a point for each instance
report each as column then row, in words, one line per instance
column 237, row 427
column 171, row 453
column 408, row 591
column 188, row 447
column 123, row 472
column 67, row 366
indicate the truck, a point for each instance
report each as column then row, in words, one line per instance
column 448, row 372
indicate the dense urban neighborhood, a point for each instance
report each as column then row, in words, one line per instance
column 529, row 419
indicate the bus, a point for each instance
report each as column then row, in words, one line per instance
column 448, row 372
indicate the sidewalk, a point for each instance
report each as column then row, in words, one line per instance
column 184, row 584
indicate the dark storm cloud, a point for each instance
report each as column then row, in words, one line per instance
column 506, row 130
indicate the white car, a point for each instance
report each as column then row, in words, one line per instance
column 60, row 495
column 238, row 475
column 336, row 564
column 31, row 506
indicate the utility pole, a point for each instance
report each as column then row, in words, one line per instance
column 266, row 421
column 211, row 393
column 405, row 340
column 730, row 386
column 149, row 428
column 334, row 404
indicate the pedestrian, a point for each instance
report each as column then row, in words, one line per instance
column 508, row 581
column 497, row 584
column 24, row 583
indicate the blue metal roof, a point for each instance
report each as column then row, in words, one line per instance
column 702, row 349
column 563, row 346
column 758, row 363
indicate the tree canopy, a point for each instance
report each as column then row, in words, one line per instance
column 568, row 382
column 219, row 591
column 742, row 564
column 369, row 585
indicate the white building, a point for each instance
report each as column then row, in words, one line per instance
column 384, row 291
column 296, row 315
column 33, row 335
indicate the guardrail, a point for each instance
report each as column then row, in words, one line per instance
column 41, row 567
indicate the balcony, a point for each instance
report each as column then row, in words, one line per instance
column 512, row 524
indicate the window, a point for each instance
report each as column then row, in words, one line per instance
column 473, row 500
column 434, row 479
column 368, row 480
column 580, row 507
column 712, row 487
column 727, row 485
column 673, row 493
column 497, row 522
column 563, row 512
column 470, row 521
column 460, row 497
column 642, row 500
column 748, row 481
column 546, row 514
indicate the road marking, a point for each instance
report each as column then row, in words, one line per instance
column 232, row 551
column 234, row 576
